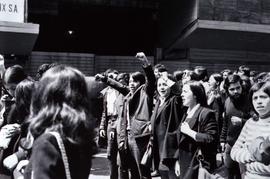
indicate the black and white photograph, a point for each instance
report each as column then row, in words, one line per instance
column 134, row 89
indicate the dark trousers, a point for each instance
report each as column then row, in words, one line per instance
column 232, row 167
column 133, row 156
column 112, row 150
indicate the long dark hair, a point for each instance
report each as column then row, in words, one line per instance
column 198, row 91
column 23, row 95
column 59, row 103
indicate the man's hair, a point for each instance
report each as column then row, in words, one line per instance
column 244, row 69
column 14, row 74
column 230, row 80
column 218, row 77
column 160, row 67
column 201, row 71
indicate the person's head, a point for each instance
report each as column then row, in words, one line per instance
column 201, row 72
column 260, row 77
column 178, row 75
column 163, row 88
column 12, row 76
column 42, row 69
column 158, row 69
column 111, row 73
column 23, row 95
column 259, row 97
column 243, row 70
column 252, row 76
column 60, row 103
column 225, row 73
column 215, row 80
column 266, row 77
column 189, row 75
column 123, row 78
column 233, row 86
column 136, row 79
column 246, row 84
column 193, row 93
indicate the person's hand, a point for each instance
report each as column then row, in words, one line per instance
column 236, row 120
column 21, row 165
column 10, row 129
column 11, row 161
column 150, row 127
column 141, row 57
column 121, row 145
column 177, row 168
column 7, row 99
column 185, row 129
column 102, row 133
column 100, row 77
column 222, row 145
column 112, row 135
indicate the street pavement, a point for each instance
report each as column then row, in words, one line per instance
column 100, row 167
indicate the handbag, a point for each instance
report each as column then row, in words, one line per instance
column 147, row 157
column 203, row 173
column 63, row 153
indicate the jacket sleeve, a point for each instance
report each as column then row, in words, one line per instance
column 103, row 122
column 208, row 130
column 150, row 86
column 123, row 89
column 224, row 129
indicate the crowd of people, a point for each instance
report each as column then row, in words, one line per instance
column 154, row 123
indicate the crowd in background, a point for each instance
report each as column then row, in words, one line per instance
column 152, row 123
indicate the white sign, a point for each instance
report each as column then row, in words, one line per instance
column 12, row 10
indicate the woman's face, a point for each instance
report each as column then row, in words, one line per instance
column 133, row 85
column 163, row 88
column 11, row 87
column 261, row 102
column 188, row 98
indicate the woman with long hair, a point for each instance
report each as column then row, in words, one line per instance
column 60, row 105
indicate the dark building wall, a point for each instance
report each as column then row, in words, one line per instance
column 218, row 60
column 84, row 62
column 246, row 11
column 89, row 64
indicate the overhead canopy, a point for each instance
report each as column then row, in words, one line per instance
column 17, row 38
column 205, row 34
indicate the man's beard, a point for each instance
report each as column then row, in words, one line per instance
column 235, row 97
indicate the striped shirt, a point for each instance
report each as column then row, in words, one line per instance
column 251, row 130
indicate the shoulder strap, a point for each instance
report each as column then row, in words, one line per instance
column 63, row 153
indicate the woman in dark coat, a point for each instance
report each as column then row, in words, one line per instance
column 198, row 130
column 168, row 110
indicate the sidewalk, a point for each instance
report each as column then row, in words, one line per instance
column 100, row 167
